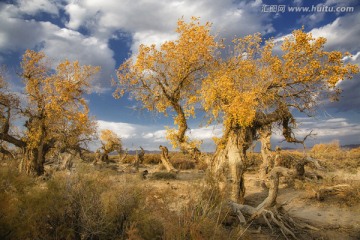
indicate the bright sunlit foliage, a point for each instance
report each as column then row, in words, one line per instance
column 169, row 76
column 110, row 141
column 257, row 78
column 56, row 105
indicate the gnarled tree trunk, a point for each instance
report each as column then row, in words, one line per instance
column 268, row 209
column 194, row 152
column 273, row 185
column 35, row 156
column 237, row 158
column 184, row 145
column 34, row 160
column 229, row 161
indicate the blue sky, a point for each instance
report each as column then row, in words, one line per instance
column 107, row 32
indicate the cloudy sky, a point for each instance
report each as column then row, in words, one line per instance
column 107, row 32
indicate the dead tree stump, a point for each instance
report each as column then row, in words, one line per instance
column 139, row 158
column 66, row 161
column 165, row 160
column 324, row 192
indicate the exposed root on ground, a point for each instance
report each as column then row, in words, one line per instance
column 269, row 211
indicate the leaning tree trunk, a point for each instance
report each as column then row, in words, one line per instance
column 232, row 156
column 165, row 160
column 300, row 166
column 185, row 146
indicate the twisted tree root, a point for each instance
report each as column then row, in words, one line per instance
column 271, row 212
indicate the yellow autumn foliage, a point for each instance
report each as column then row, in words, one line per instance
column 255, row 79
column 56, row 107
column 167, row 78
column 110, row 141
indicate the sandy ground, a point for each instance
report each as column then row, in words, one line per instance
column 334, row 220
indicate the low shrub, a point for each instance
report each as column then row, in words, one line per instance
column 181, row 161
column 68, row 207
column 254, row 160
column 182, row 164
column 92, row 204
column 151, row 158
column 334, row 157
column 329, row 151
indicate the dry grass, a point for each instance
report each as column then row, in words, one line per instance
column 92, row 204
column 326, row 150
column 104, row 204
column 152, row 158
column 346, row 196
column 254, row 160
column 334, row 157
column 84, row 205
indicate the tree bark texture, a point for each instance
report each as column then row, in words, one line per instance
column 165, row 160
column 265, row 136
column 229, row 162
column 181, row 134
column 34, row 161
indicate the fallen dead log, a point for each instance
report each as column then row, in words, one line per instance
column 324, row 192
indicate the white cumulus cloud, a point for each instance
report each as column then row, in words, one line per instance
column 342, row 34
column 150, row 137
column 151, row 21
column 323, row 130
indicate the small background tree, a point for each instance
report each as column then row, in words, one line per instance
column 110, row 142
